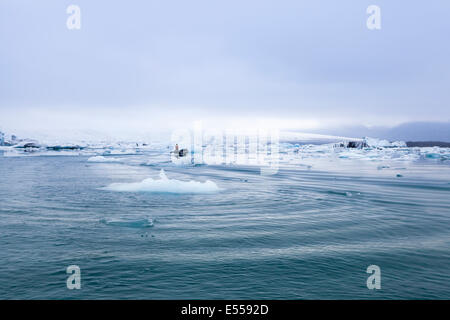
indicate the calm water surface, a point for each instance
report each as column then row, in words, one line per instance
column 304, row 233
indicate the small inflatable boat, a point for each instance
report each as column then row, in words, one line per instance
column 180, row 153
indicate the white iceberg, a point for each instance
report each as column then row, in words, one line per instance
column 165, row 185
column 373, row 142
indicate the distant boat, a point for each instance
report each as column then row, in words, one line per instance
column 180, row 153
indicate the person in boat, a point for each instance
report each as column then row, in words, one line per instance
column 179, row 152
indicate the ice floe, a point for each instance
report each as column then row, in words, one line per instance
column 103, row 159
column 165, row 185
column 129, row 223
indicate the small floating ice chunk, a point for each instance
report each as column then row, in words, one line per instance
column 140, row 223
column 103, row 159
column 432, row 155
column 165, row 185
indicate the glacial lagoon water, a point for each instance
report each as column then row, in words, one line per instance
column 307, row 232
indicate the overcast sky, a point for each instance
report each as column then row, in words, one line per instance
column 138, row 65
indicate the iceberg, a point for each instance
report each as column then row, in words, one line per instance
column 165, row 185
column 69, row 147
column 375, row 143
column 28, row 144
